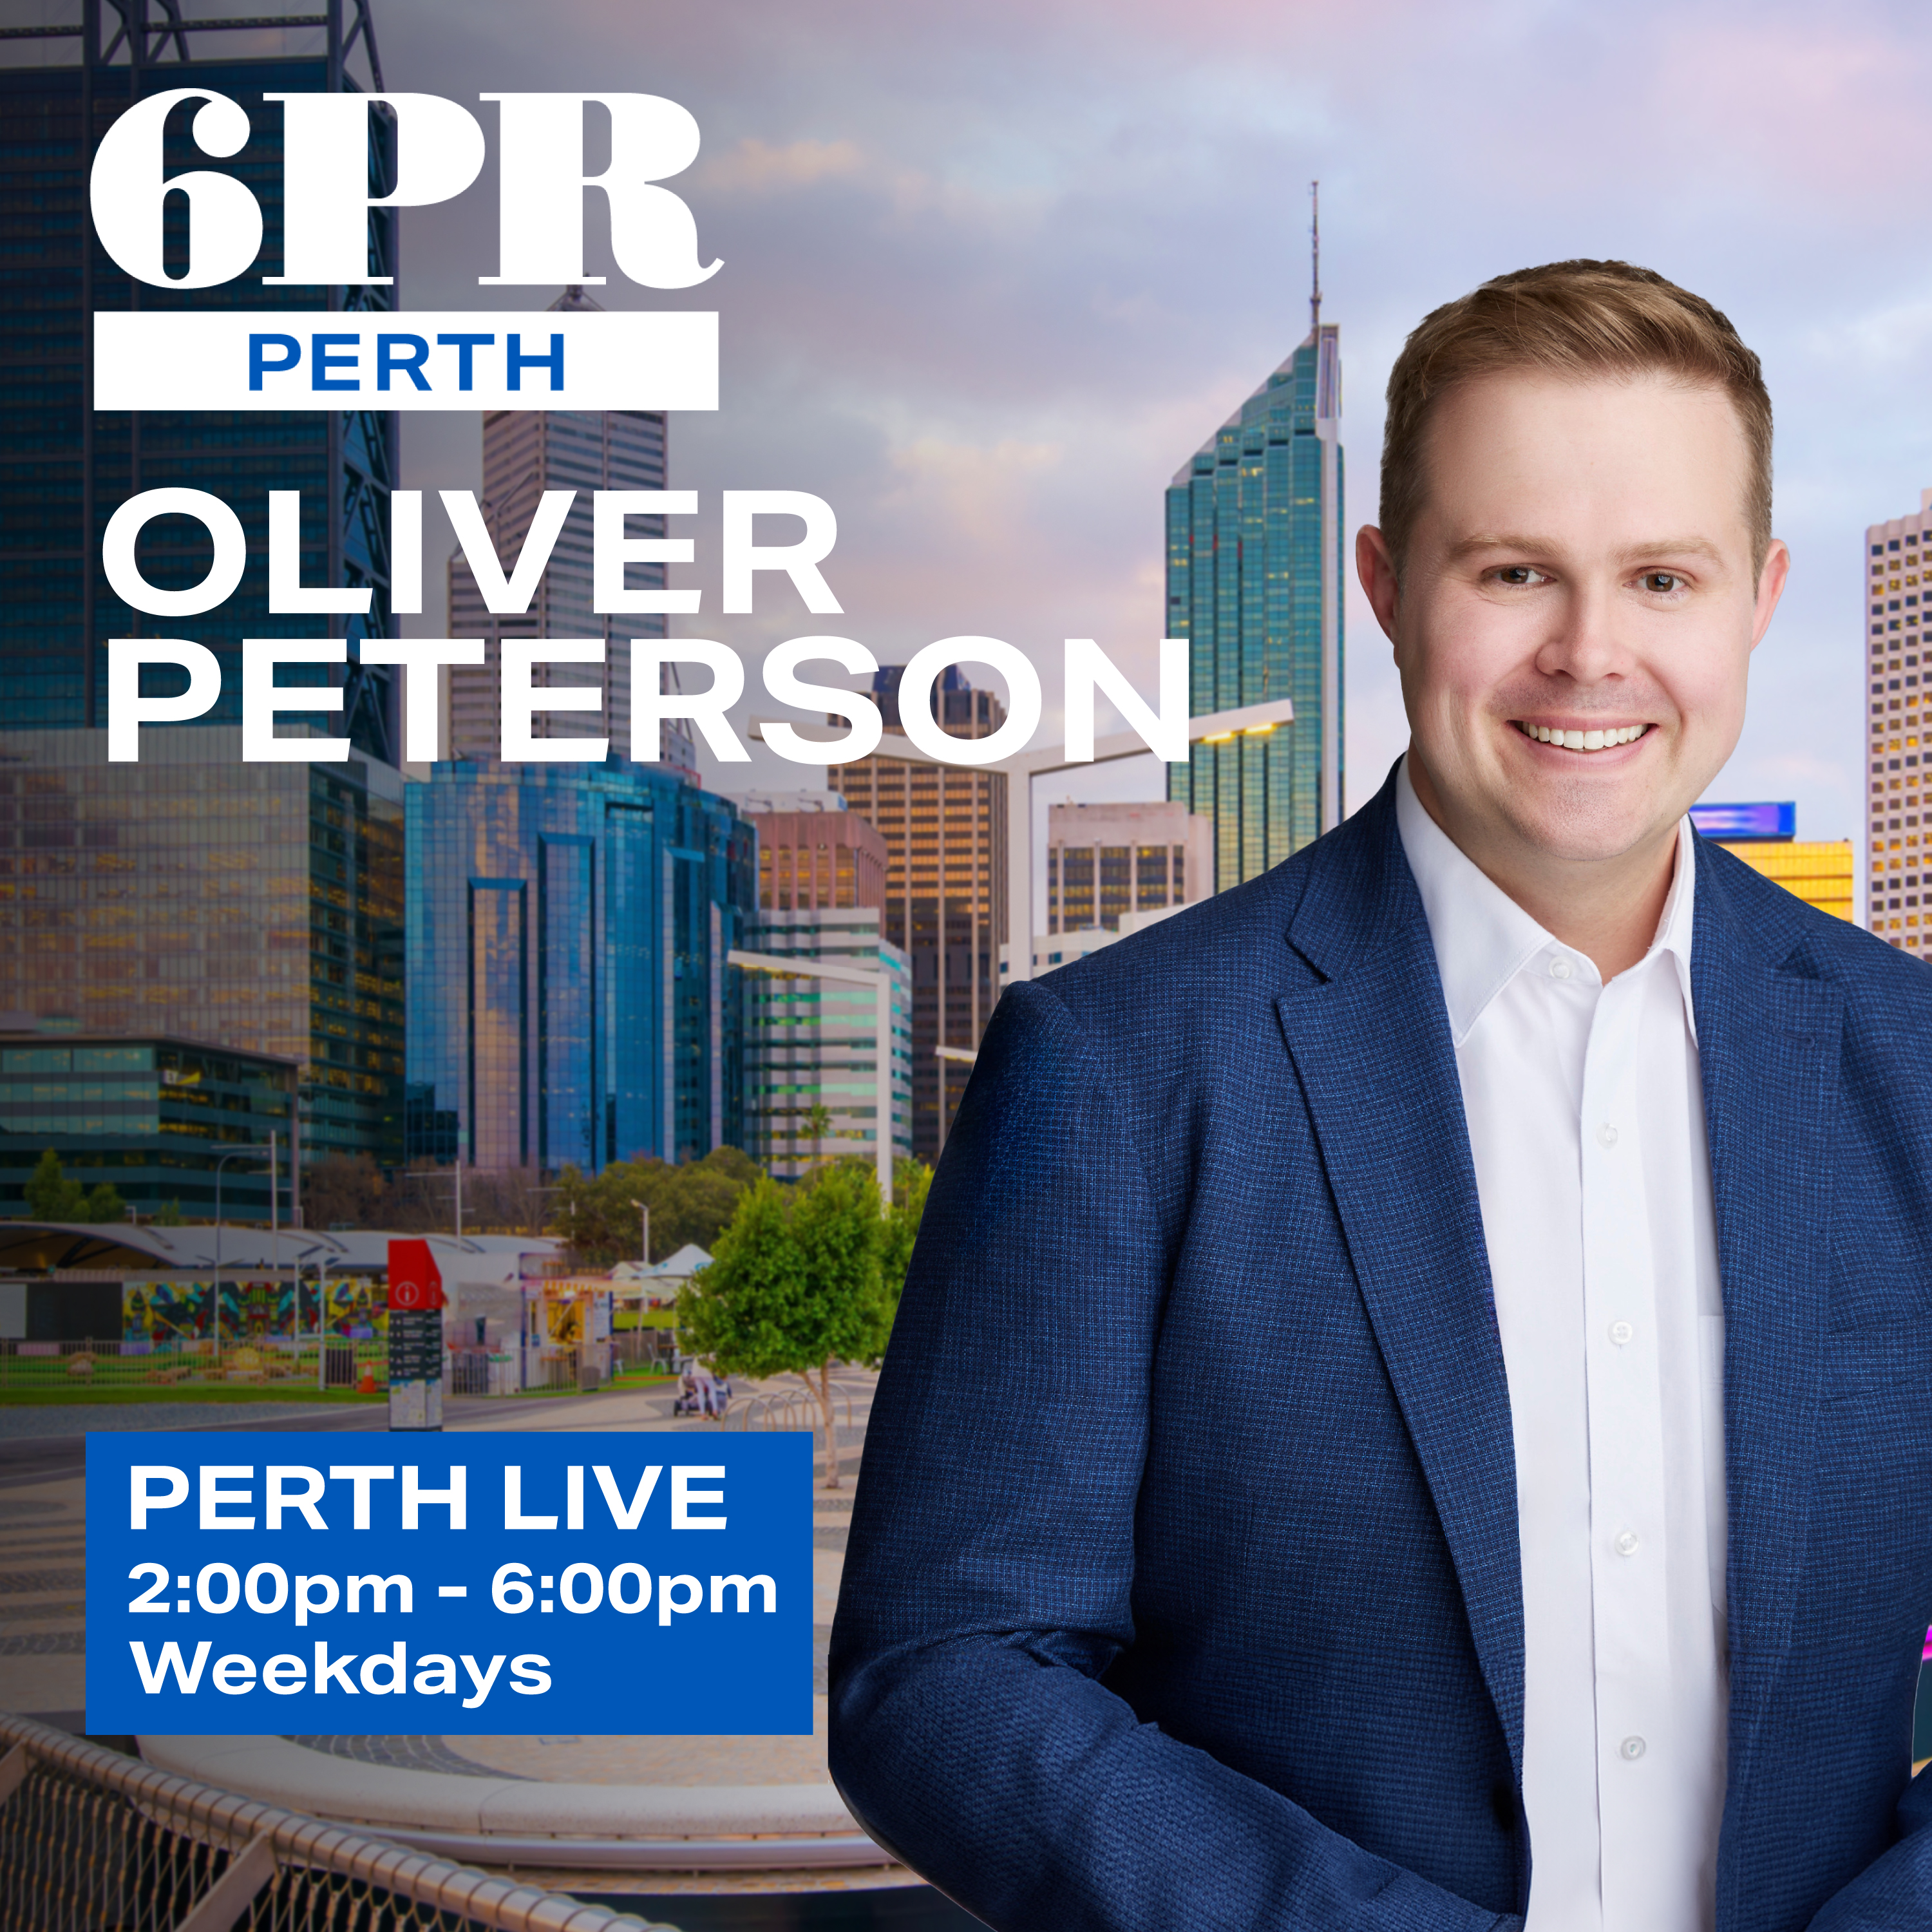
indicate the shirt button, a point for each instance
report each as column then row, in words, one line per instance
column 1559, row 968
column 1631, row 1748
column 1627, row 1543
column 1606, row 1135
column 1621, row 1332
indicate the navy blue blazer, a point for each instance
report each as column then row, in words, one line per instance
column 1182, row 1589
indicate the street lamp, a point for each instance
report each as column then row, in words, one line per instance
column 643, row 1208
column 221, row 1161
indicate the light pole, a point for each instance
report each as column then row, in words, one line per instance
column 643, row 1208
column 221, row 1160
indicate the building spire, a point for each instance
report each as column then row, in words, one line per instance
column 1314, row 240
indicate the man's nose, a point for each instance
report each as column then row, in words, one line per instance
column 1584, row 643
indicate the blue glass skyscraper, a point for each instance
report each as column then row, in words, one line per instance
column 568, row 996
column 1254, row 582
column 64, row 470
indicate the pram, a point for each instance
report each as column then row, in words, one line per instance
column 700, row 1393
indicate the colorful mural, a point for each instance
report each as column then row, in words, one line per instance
column 169, row 1312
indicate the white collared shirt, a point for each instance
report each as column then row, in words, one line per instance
column 1585, row 1118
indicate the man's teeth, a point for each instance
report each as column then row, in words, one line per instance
column 1584, row 741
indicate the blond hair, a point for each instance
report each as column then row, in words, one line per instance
column 1577, row 319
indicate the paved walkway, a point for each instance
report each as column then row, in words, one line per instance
column 43, row 1620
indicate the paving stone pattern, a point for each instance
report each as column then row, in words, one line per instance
column 404, row 1754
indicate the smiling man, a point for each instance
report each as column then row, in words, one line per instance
column 1485, row 1269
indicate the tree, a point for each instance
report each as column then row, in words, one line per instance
column 341, row 1190
column 51, row 1196
column 818, row 1124
column 103, row 1204
column 911, row 1179
column 795, row 1284
column 693, row 1204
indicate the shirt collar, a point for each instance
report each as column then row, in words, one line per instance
column 1483, row 938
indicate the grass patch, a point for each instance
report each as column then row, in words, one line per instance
column 178, row 1392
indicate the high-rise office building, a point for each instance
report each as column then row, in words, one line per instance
column 568, row 996
column 1255, row 584
column 526, row 452
column 814, row 853
column 812, row 1044
column 945, row 829
column 254, row 907
column 151, row 1116
column 1895, row 800
column 1106, row 861
column 1764, row 836
column 64, row 468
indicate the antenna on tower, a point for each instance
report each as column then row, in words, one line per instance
column 1314, row 240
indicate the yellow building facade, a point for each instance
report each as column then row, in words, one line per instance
column 1819, row 870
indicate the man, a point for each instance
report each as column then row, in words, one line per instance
column 1552, row 1193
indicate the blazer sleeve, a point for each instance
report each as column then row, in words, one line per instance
column 988, row 1580
column 1894, row 1893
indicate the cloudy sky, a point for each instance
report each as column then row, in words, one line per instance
column 992, row 272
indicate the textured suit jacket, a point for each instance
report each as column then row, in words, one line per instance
column 1183, row 1589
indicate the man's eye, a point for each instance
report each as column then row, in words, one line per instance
column 1662, row 581
column 1517, row 574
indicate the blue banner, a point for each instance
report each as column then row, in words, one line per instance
column 264, row 1583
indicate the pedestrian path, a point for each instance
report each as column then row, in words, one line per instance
column 748, row 1788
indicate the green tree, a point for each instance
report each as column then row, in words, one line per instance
column 51, row 1196
column 693, row 1203
column 170, row 1215
column 795, row 1284
column 103, row 1203
column 818, row 1124
column 911, row 1179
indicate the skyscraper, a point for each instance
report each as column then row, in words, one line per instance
column 257, row 908
column 945, row 829
column 1254, row 583
column 568, row 995
column 812, row 1044
column 814, row 853
column 64, row 470
column 1894, row 798
column 1817, row 871
column 526, row 452
column 1106, row 861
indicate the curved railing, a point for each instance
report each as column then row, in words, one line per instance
column 90, row 1837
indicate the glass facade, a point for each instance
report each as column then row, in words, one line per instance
column 811, row 1043
column 1898, row 654
column 945, row 829
column 150, row 1116
column 1254, row 583
column 525, row 453
column 64, row 470
column 255, row 907
column 568, row 996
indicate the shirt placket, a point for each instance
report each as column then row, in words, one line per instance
column 1631, row 1636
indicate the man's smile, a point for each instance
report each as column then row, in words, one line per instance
column 1605, row 738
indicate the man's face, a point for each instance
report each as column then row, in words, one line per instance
column 1577, row 612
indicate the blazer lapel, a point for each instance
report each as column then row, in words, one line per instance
column 1372, row 1050
column 1768, row 1053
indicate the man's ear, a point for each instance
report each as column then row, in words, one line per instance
column 1376, row 569
column 1771, row 582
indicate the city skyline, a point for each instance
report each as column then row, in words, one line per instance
column 983, row 320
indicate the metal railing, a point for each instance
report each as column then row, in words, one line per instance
column 796, row 1407
column 92, row 1841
